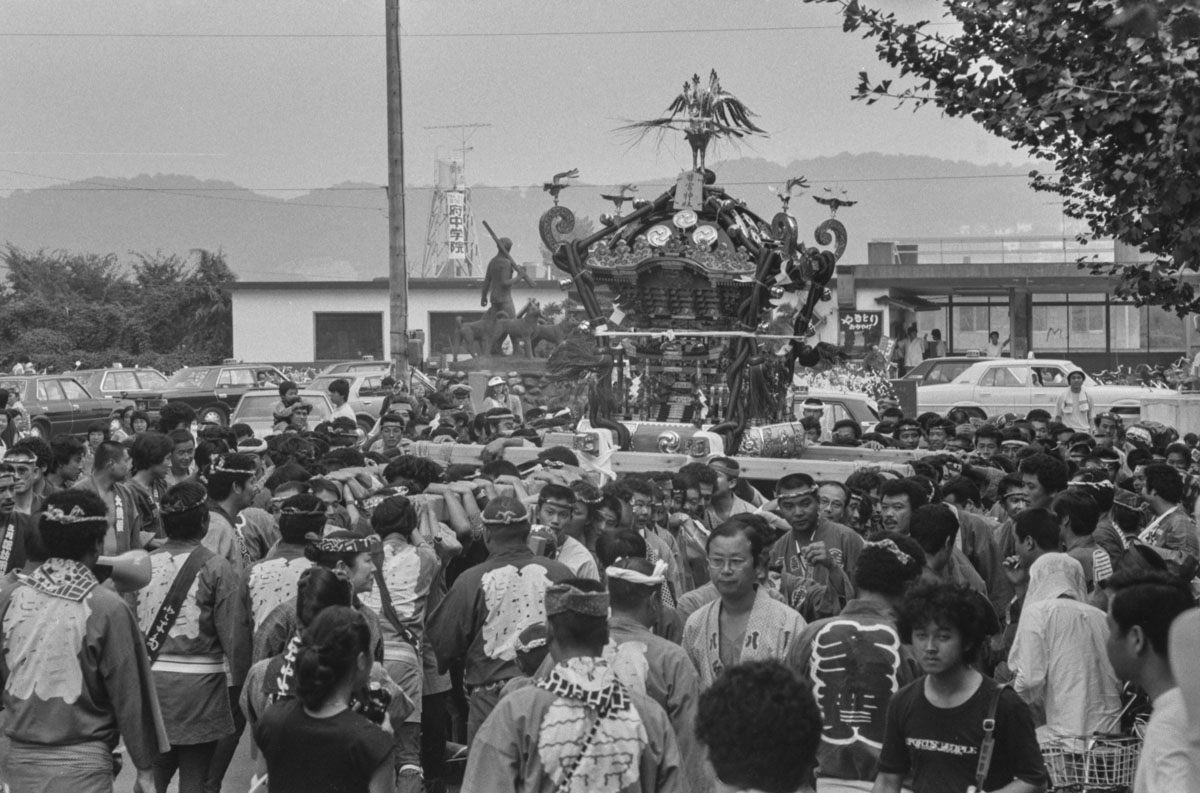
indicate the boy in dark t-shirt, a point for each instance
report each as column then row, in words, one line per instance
column 935, row 725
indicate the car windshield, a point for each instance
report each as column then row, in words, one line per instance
column 188, row 378
column 918, row 371
column 947, row 371
column 120, row 380
column 321, row 382
column 259, row 407
column 151, row 379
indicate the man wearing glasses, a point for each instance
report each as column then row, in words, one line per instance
column 744, row 623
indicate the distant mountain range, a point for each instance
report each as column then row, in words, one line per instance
column 341, row 232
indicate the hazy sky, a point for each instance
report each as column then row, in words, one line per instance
column 290, row 93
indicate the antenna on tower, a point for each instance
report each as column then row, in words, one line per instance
column 451, row 250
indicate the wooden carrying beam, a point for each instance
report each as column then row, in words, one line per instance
column 831, row 463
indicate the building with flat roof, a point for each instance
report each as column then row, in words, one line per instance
column 1030, row 290
column 301, row 322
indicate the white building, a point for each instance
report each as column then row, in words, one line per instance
column 305, row 321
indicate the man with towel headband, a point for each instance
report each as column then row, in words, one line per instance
column 579, row 729
column 75, row 676
column 192, row 652
column 489, row 605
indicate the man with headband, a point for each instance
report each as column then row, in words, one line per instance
column 725, row 502
column 231, row 488
column 403, row 583
column 75, row 676
column 501, row 424
column 555, row 508
column 580, row 728
column 16, row 530
column 815, row 549
column 649, row 664
column 191, row 650
column 855, row 662
column 479, row 619
column 349, row 555
column 273, row 579
column 23, row 457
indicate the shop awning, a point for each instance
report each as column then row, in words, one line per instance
column 909, row 302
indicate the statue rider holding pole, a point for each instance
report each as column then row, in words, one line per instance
column 502, row 272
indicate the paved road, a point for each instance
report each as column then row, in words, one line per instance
column 237, row 780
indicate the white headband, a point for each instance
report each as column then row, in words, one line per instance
column 891, row 547
column 634, row 577
column 533, row 644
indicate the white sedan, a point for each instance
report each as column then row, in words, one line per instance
column 256, row 409
column 1008, row 385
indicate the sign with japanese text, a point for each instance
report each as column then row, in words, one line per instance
column 860, row 321
column 689, row 191
column 456, row 226
column 858, row 331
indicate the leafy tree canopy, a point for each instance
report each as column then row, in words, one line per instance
column 160, row 310
column 1105, row 90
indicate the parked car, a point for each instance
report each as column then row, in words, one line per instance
column 214, row 391
column 255, row 408
column 366, row 393
column 143, row 386
column 841, row 405
column 58, row 404
column 1018, row 385
column 935, row 371
column 357, row 365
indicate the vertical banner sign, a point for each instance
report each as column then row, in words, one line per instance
column 689, row 191
column 456, row 226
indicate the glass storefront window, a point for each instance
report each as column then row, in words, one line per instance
column 1063, row 324
column 1165, row 330
column 1086, row 329
column 973, row 323
column 1126, row 326
column 1049, row 328
column 931, row 320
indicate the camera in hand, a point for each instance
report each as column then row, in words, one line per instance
column 372, row 701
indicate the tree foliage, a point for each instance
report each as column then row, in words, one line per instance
column 160, row 310
column 1105, row 90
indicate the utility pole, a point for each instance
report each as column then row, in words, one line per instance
column 397, row 261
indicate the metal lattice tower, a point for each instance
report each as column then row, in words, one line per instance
column 450, row 190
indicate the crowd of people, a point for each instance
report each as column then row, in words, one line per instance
column 379, row 621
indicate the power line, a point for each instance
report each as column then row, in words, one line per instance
column 96, row 188
column 442, row 35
